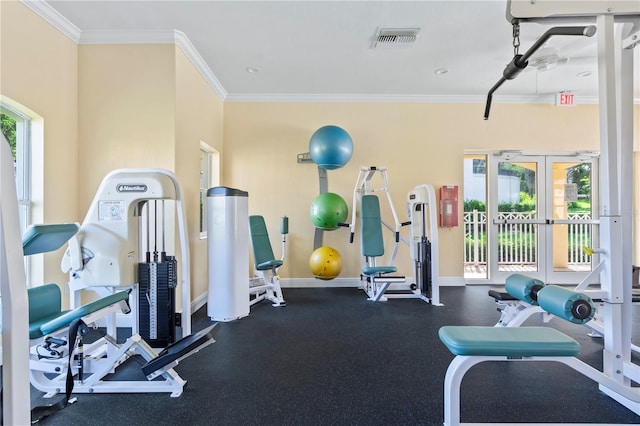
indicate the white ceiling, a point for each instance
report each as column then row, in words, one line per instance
column 323, row 49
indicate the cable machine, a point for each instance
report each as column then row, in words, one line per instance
column 422, row 241
column 125, row 222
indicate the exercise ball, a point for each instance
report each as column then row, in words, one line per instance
column 330, row 147
column 325, row 263
column 328, row 210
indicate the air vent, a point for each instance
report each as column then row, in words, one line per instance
column 395, row 37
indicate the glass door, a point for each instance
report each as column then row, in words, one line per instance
column 542, row 211
column 572, row 210
column 517, row 238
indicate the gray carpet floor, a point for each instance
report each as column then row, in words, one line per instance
column 330, row 357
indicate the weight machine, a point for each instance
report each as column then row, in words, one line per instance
column 422, row 241
column 618, row 32
column 112, row 250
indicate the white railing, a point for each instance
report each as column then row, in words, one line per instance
column 518, row 241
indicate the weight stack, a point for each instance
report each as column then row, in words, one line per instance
column 424, row 262
column 157, row 301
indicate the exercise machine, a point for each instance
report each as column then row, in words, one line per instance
column 376, row 280
column 60, row 361
column 112, row 250
column 44, row 342
column 618, row 33
column 473, row 345
column 265, row 284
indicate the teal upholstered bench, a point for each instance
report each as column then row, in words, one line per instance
column 64, row 319
column 508, row 341
column 475, row 344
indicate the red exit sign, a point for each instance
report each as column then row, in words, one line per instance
column 565, row 99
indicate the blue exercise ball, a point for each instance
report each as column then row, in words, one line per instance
column 331, row 147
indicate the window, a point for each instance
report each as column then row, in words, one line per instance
column 208, row 178
column 16, row 127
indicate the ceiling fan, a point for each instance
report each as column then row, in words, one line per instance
column 547, row 58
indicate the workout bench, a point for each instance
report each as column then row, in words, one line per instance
column 473, row 345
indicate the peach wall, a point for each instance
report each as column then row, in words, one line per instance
column 199, row 117
column 126, row 97
column 417, row 143
column 38, row 73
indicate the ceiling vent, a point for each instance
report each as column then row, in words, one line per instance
column 395, row 37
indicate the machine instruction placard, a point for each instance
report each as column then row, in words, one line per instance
column 112, row 211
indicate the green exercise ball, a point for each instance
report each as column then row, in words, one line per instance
column 328, row 210
column 325, row 263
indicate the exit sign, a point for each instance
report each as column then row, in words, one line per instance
column 565, row 99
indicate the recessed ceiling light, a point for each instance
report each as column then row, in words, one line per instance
column 253, row 70
column 441, row 71
column 583, row 74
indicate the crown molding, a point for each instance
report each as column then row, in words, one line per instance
column 52, row 16
column 183, row 42
column 176, row 37
column 127, row 37
column 49, row 14
column 425, row 99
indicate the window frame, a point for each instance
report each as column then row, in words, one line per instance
column 207, row 154
column 22, row 171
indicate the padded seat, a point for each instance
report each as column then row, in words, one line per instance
column 262, row 252
column 45, row 303
column 45, row 238
column 501, row 295
column 373, row 270
column 508, row 341
column 270, row 264
column 65, row 319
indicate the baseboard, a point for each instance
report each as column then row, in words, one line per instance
column 124, row 320
column 199, row 301
column 353, row 282
column 318, row 283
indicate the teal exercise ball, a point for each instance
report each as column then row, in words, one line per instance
column 328, row 210
column 330, row 147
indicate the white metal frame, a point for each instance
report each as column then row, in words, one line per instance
column 265, row 285
column 100, row 358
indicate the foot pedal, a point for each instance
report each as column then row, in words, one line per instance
column 170, row 356
column 49, row 350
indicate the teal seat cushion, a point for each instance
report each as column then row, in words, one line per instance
column 66, row 318
column 371, row 226
column 46, row 238
column 34, row 327
column 265, row 266
column 508, row 341
column 373, row 270
column 262, row 252
column 44, row 305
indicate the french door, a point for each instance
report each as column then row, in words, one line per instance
column 542, row 216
